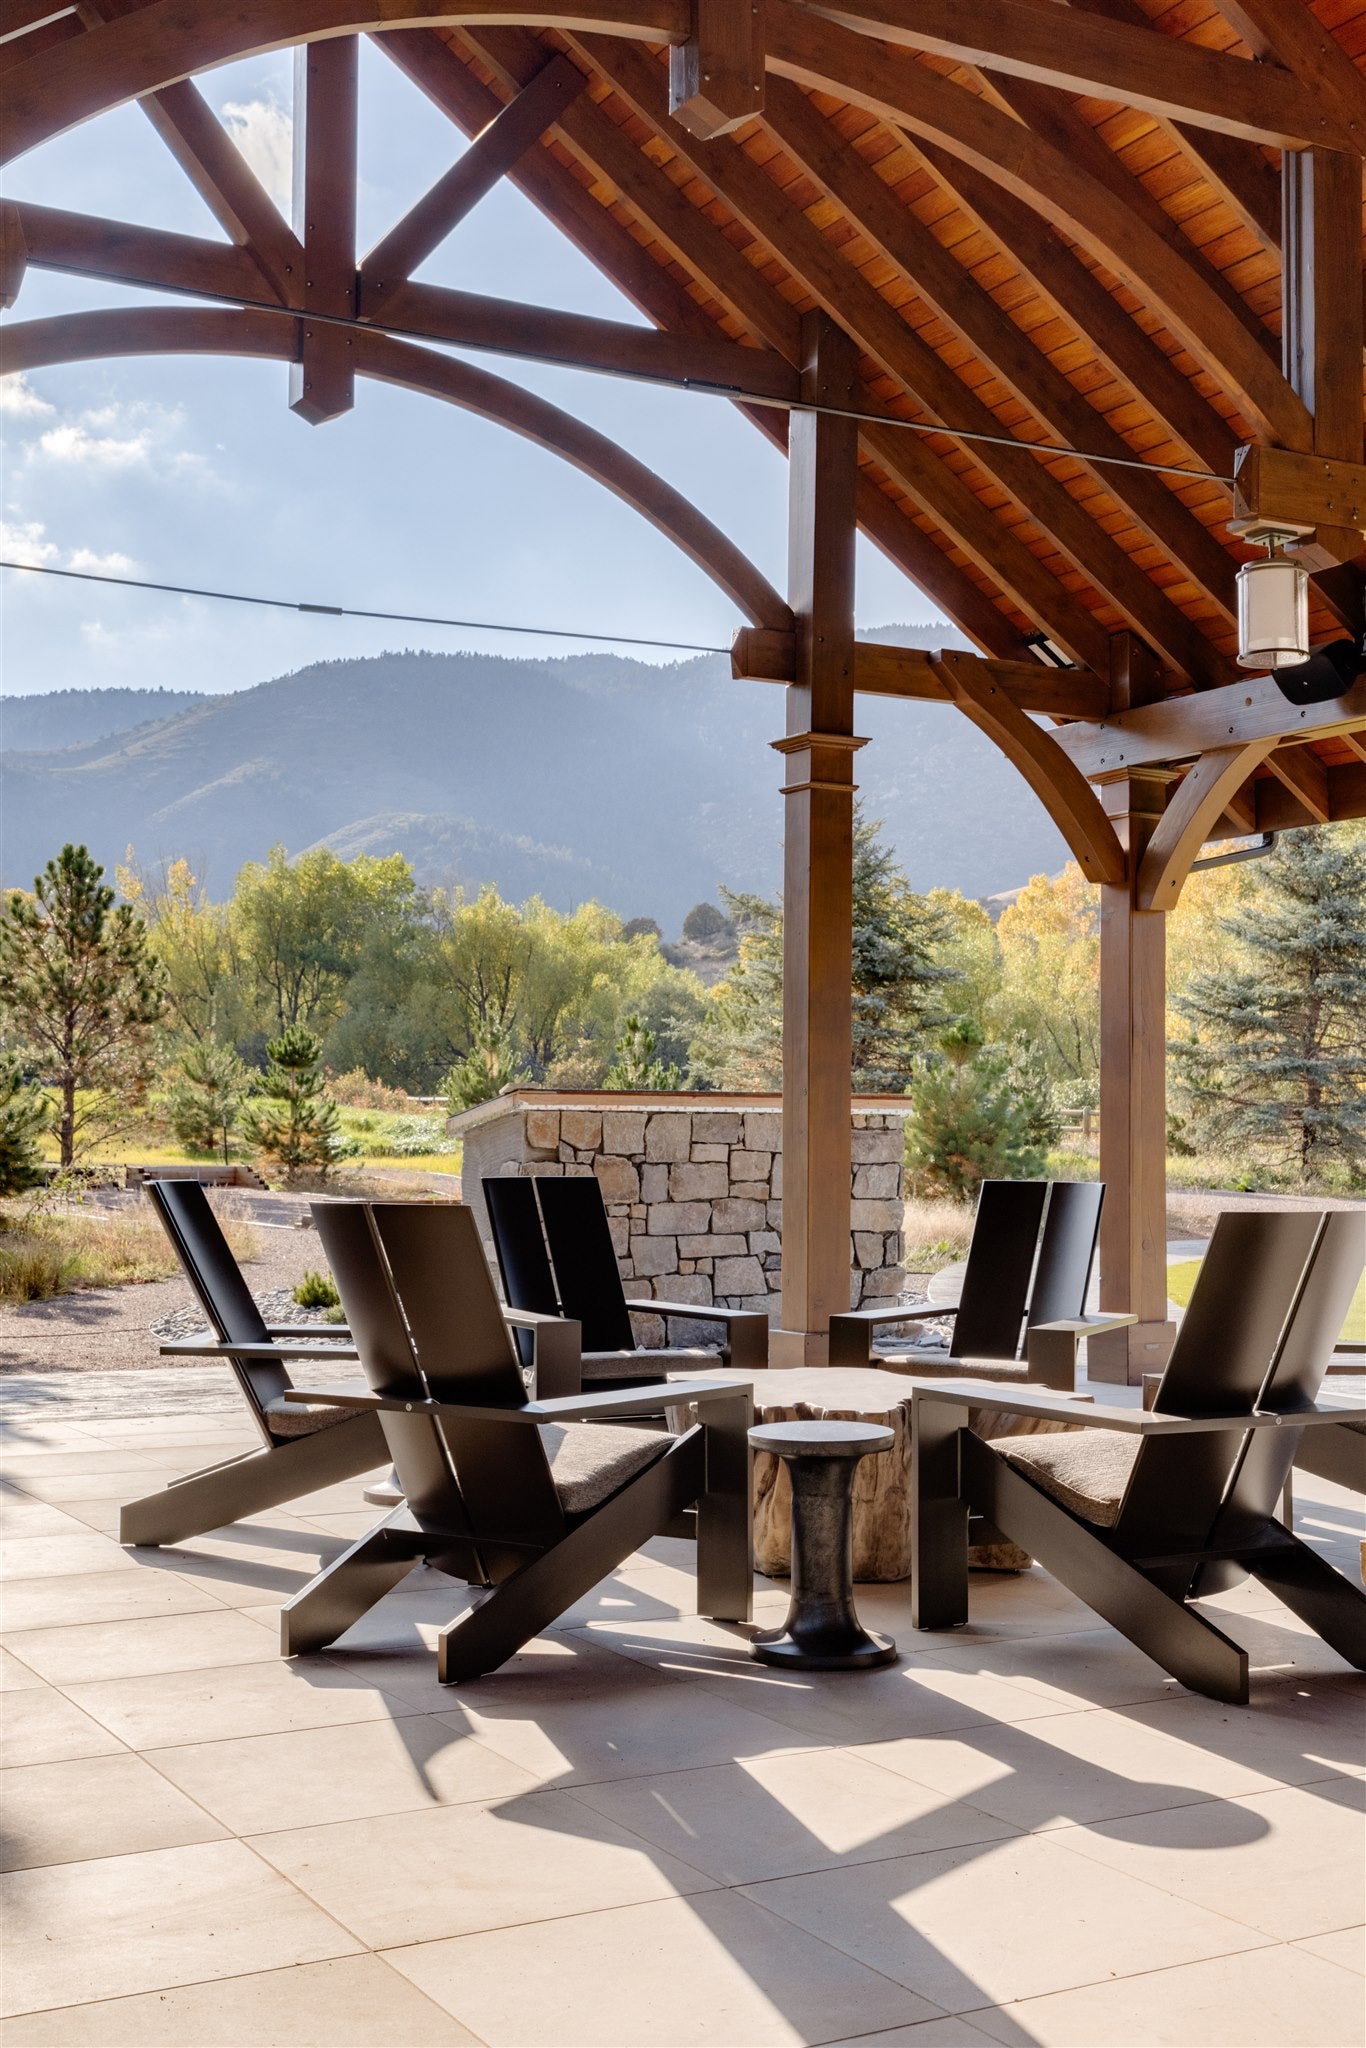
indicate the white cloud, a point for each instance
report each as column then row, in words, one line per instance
column 72, row 443
column 112, row 564
column 264, row 132
column 21, row 540
column 19, row 400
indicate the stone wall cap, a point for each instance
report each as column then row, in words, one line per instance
column 514, row 1100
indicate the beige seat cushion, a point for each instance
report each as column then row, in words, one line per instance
column 285, row 1419
column 932, row 1364
column 590, row 1461
column 1086, row 1469
column 645, row 1365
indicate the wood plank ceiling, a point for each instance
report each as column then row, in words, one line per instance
column 958, row 219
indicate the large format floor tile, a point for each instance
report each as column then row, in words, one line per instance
column 100, row 1596
column 84, row 1931
column 460, row 1869
column 95, row 1651
column 40, row 1557
column 40, row 1725
column 174, row 1707
column 97, row 1806
column 357, row 2002
column 1007, row 1920
column 709, row 1972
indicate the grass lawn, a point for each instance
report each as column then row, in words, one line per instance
column 1181, row 1279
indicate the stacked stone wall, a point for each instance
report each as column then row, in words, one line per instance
column 695, row 1196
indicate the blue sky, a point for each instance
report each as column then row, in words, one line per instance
column 195, row 471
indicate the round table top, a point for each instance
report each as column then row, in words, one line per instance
column 822, row 1439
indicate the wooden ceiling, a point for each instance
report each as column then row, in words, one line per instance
column 1017, row 254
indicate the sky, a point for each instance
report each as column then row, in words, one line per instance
column 195, row 471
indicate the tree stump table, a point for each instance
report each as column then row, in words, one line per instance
column 822, row 1631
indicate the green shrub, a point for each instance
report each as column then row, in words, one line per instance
column 316, row 1290
column 33, row 1270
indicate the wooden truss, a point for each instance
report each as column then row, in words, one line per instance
column 1051, row 275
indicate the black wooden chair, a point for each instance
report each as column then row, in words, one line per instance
column 1336, row 1454
column 555, row 1252
column 509, row 1493
column 302, row 1450
column 1021, row 1311
column 1139, row 1513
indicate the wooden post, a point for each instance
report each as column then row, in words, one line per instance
column 818, row 826
column 1133, row 1102
column 1321, row 329
column 322, row 384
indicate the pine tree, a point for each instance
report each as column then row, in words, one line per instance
column 80, row 992
column 635, row 1064
column 292, row 1121
column 490, row 1066
column 967, row 1122
column 205, row 1097
column 1277, row 1055
column 898, row 989
column 23, row 1119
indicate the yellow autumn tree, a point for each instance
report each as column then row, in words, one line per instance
column 1050, row 962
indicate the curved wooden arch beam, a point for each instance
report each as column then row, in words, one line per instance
column 1204, row 795
column 167, row 40
column 1063, row 790
column 175, row 330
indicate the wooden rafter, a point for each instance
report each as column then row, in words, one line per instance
column 1179, row 728
column 322, row 381
column 882, row 670
column 1278, row 808
column 716, row 77
column 1140, row 67
column 1199, row 801
column 1306, row 777
column 1295, row 37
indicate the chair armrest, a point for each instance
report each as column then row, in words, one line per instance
column 567, row 1409
column 746, row 1345
column 293, row 1329
column 556, row 1349
column 189, row 1347
column 1051, row 1349
column 1053, row 1407
column 851, row 1331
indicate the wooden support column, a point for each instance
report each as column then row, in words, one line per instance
column 1321, row 334
column 818, row 827
column 322, row 384
column 1133, row 1101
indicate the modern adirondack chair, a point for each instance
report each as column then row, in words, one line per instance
column 1336, row 1454
column 302, row 1450
column 1139, row 1513
column 509, row 1493
column 554, row 1247
column 1021, row 1312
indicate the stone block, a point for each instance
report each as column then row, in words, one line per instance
column 712, row 1247
column 709, row 1154
column 668, row 1135
column 876, row 1183
column 775, row 1215
column 732, row 1214
column 773, row 1263
column 649, row 1331
column 875, row 1215
column 749, row 1190
column 581, row 1127
column 746, row 1165
column 543, row 1129
column 654, row 1254
column 738, row 1276
column 623, row 1131
column 764, row 1130
column 689, row 1287
column 884, row 1284
column 578, row 1171
column 654, row 1183
column 868, row 1248
column 716, row 1127
column 877, row 1148
column 678, row 1219
column 694, row 1335
column 621, row 1235
column 549, row 1167
column 759, row 1304
column 761, row 1241
column 689, row 1183
column 687, row 1265
column 617, row 1178
column 638, row 1212
column 775, row 1179
column 567, row 1154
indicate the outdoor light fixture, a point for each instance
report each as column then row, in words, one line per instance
column 1047, row 651
column 1273, row 603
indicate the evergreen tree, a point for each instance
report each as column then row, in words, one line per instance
column 23, row 1119
column 80, row 992
column 967, row 1123
column 636, row 1064
column 205, row 1097
column 898, row 988
column 292, row 1122
column 1277, row 1054
column 490, row 1066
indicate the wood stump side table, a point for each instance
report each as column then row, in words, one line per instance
column 822, row 1632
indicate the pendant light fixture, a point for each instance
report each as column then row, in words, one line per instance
column 1273, row 602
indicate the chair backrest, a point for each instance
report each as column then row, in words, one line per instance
column 1067, row 1250
column 1246, row 1289
column 198, row 1242
column 1297, row 1371
column 523, row 1261
column 1000, row 1265
column 426, row 1320
column 584, row 1260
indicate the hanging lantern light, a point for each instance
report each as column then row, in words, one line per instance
column 1273, row 604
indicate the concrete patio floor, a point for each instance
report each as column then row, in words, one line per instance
column 1022, row 1833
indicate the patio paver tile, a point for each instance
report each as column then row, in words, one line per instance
column 21, row 1514
column 31, row 1604
column 97, row 1806
column 355, row 2002
column 88, row 1652
column 41, row 1725
column 1346, row 1948
column 169, row 1708
column 77, row 1932
column 32, row 1557
column 14, row 1675
column 691, row 1973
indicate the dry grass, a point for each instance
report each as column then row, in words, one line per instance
column 49, row 1252
column 937, row 1233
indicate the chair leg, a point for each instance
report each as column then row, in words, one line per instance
column 1333, row 1607
column 939, row 1517
column 349, row 1586
column 249, row 1485
column 1178, row 1639
column 725, row 1518
column 539, row 1592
